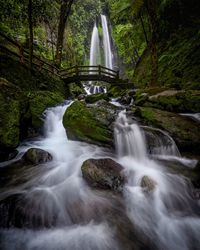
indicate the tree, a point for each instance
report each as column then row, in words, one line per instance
column 30, row 23
column 65, row 10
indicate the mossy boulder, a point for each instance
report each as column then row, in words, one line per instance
column 103, row 174
column 184, row 131
column 9, row 114
column 38, row 102
column 96, row 97
column 176, row 101
column 75, row 90
column 117, row 91
column 37, row 156
column 81, row 124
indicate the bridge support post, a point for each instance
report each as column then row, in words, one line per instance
column 99, row 68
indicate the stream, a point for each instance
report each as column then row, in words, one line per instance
column 58, row 210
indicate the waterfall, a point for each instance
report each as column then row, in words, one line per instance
column 107, row 43
column 129, row 138
column 58, row 210
column 95, row 47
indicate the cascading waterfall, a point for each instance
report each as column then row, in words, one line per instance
column 58, row 211
column 95, row 55
column 107, row 43
column 95, row 47
column 158, row 202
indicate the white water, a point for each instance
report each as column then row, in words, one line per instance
column 195, row 116
column 95, row 48
column 58, row 197
column 107, row 43
column 168, row 214
column 69, row 215
column 94, row 89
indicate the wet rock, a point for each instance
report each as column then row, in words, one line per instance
column 176, row 100
column 96, row 97
column 103, row 173
column 7, row 155
column 148, row 184
column 92, row 124
column 125, row 100
column 184, row 131
column 37, row 156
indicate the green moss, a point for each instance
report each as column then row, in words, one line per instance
column 179, row 102
column 96, row 97
column 9, row 115
column 75, row 90
column 39, row 101
column 116, row 91
column 182, row 129
column 81, row 124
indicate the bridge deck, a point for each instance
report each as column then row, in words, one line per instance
column 91, row 73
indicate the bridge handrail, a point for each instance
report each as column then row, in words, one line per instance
column 24, row 53
column 78, row 70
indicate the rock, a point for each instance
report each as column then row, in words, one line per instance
column 37, row 156
column 148, row 184
column 117, row 91
column 103, row 173
column 89, row 124
column 125, row 100
column 96, row 97
column 6, row 154
column 38, row 102
column 75, row 90
column 176, row 101
column 184, row 131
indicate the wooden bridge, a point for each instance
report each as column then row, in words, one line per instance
column 75, row 74
column 91, row 73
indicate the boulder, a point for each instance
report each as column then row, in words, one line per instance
column 37, row 156
column 103, row 174
column 148, row 184
column 176, row 100
column 91, row 124
column 38, row 102
column 18, row 172
column 96, row 97
column 184, row 131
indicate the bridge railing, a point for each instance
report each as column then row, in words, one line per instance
column 88, row 70
column 18, row 51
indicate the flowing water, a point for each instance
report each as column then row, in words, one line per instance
column 59, row 211
column 107, row 43
column 95, row 48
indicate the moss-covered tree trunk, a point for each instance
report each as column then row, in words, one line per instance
column 64, row 13
column 152, row 12
column 30, row 22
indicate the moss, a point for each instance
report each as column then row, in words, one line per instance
column 96, row 97
column 116, row 91
column 75, row 90
column 178, row 62
column 81, row 124
column 179, row 102
column 38, row 102
column 183, row 130
column 20, row 76
column 9, row 114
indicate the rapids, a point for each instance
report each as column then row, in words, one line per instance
column 60, row 211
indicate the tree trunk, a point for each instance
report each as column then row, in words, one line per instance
column 143, row 28
column 30, row 22
column 64, row 13
column 152, row 11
